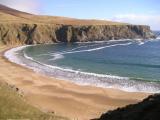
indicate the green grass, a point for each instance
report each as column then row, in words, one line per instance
column 14, row 107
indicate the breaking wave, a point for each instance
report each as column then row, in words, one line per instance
column 18, row 55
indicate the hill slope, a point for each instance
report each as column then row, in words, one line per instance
column 18, row 27
column 8, row 14
column 148, row 109
column 13, row 106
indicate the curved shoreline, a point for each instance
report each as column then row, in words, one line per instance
column 131, row 86
column 63, row 97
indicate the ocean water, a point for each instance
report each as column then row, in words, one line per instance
column 126, row 64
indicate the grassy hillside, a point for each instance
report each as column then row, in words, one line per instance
column 13, row 106
column 11, row 15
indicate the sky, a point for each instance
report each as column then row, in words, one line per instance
column 145, row 12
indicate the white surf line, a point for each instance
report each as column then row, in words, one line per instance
column 76, row 71
column 131, row 87
column 50, row 53
column 106, row 41
column 94, row 49
column 141, row 43
column 158, row 38
column 95, row 44
column 89, row 50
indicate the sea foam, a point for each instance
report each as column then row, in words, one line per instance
column 81, row 77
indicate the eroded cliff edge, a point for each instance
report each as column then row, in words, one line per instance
column 19, row 33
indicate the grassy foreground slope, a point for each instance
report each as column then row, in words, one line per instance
column 13, row 106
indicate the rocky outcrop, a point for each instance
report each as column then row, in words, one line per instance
column 148, row 109
column 18, row 33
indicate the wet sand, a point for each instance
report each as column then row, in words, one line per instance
column 62, row 97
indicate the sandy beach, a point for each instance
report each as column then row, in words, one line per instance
column 62, row 97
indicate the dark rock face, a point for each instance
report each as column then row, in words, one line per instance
column 15, row 33
column 148, row 109
column 103, row 32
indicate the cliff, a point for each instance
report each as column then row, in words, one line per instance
column 11, row 33
column 148, row 109
column 17, row 27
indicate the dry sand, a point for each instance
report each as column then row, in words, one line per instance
column 62, row 97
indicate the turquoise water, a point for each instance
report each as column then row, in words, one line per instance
column 136, row 60
column 128, row 65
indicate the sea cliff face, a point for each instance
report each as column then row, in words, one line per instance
column 18, row 27
column 18, row 33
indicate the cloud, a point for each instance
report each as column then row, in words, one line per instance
column 151, row 20
column 31, row 6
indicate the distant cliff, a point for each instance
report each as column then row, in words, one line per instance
column 148, row 109
column 18, row 27
column 15, row 33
